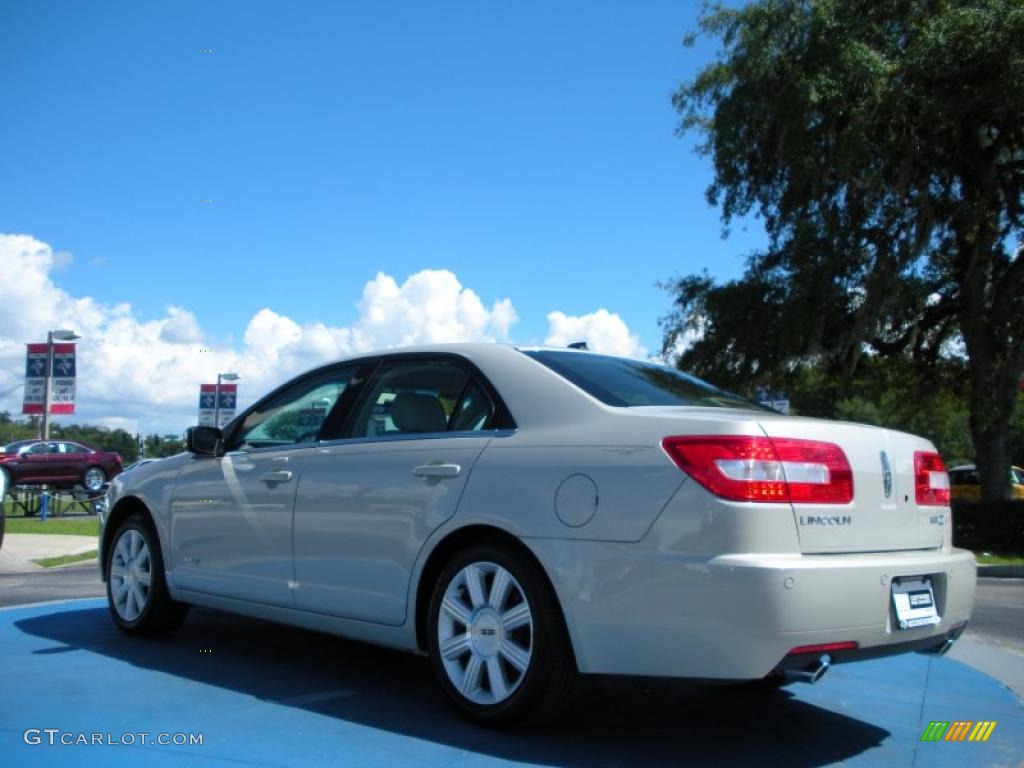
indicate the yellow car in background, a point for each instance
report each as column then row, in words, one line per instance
column 966, row 486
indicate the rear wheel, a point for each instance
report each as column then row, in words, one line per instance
column 497, row 638
column 136, row 590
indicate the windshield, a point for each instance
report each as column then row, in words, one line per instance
column 18, row 445
column 630, row 383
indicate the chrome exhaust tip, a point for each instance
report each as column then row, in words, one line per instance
column 813, row 673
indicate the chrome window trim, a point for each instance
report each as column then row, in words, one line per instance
column 417, row 436
column 371, row 439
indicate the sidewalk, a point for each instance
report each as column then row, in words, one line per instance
column 20, row 549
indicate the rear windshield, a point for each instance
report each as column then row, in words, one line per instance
column 621, row 382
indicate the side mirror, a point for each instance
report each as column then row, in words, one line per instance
column 205, row 441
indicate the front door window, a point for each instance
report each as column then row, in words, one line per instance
column 296, row 414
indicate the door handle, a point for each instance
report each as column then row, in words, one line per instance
column 437, row 470
column 277, row 476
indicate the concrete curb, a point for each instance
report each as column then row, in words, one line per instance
column 21, row 549
column 1001, row 571
column 90, row 561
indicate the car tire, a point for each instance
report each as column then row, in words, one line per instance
column 137, row 593
column 497, row 639
column 5, row 484
column 3, row 524
column 93, row 479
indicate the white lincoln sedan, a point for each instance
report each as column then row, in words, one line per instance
column 526, row 515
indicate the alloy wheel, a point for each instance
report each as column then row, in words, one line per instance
column 94, row 478
column 131, row 575
column 485, row 633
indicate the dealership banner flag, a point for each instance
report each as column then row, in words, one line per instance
column 62, row 385
column 207, row 403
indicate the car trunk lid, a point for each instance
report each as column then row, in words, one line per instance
column 884, row 514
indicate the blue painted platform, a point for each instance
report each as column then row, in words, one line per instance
column 265, row 695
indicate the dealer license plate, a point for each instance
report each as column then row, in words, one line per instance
column 914, row 601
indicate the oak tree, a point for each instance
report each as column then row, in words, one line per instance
column 882, row 144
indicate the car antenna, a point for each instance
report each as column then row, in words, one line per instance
column 579, row 345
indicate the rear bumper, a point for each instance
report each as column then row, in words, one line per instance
column 739, row 616
column 931, row 644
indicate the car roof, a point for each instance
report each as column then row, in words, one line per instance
column 494, row 349
column 24, row 441
column 19, row 444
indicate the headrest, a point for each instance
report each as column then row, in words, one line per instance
column 416, row 412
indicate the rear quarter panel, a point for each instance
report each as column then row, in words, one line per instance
column 516, row 482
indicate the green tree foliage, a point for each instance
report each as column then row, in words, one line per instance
column 117, row 440
column 12, row 429
column 883, row 146
column 892, row 393
column 157, row 447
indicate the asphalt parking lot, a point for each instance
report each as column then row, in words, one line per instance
column 267, row 695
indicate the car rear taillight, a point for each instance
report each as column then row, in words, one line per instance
column 781, row 470
column 931, row 483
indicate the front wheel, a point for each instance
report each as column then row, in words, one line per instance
column 93, row 479
column 497, row 638
column 136, row 590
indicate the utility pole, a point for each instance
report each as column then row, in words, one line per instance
column 62, row 335
column 216, row 394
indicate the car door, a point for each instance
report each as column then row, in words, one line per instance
column 368, row 501
column 68, row 463
column 231, row 515
column 34, row 463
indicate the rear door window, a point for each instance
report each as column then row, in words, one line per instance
column 410, row 397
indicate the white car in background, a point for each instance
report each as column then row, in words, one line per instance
column 526, row 515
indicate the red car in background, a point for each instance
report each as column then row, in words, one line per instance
column 56, row 463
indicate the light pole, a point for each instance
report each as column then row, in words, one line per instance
column 51, row 336
column 216, row 395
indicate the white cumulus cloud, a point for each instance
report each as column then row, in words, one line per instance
column 431, row 306
column 603, row 331
column 144, row 375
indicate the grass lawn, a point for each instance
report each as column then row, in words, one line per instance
column 986, row 559
column 82, row 526
column 49, row 562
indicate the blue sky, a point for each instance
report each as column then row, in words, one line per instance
column 528, row 148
